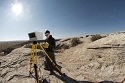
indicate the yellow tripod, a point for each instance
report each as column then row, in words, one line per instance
column 34, row 59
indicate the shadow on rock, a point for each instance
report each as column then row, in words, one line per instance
column 68, row 79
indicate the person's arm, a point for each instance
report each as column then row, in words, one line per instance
column 52, row 43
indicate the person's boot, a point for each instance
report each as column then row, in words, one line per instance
column 51, row 73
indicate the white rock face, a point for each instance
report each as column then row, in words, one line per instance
column 101, row 60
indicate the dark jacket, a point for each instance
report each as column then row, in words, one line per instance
column 51, row 42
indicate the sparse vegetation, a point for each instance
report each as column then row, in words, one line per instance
column 96, row 37
column 66, row 46
column 75, row 41
column 8, row 50
column 62, row 46
column 87, row 35
column 82, row 37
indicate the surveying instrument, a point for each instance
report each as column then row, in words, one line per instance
column 35, row 37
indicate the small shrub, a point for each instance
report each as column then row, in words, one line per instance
column 82, row 37
column 66, row 46
column 8, row 50
column 96, row 37
column 75, row 41
column 60, row 46
column 87, row 35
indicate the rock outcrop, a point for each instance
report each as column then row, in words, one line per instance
column 102, row 60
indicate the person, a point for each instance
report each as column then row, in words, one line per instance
column 49, row 48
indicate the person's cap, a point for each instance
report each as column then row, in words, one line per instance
column 47, row 31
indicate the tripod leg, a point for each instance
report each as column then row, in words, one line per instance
column 34, row 59
column 52, row 61
column 36, row 65
column 36, row 55
column 36, row 73
column 31, row 58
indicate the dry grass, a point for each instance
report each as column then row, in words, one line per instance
column 96, row 37
column 75, row 42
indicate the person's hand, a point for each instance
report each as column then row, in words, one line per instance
column 46, row 45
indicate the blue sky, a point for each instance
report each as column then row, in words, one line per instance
column 64, row 18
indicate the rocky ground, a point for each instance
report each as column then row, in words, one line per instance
column 99, row 61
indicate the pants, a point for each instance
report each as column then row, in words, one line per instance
column 49, row 64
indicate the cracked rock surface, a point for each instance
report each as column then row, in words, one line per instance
column 101, row 60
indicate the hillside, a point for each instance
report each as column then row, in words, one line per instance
column 103, row 59
column 100, row 60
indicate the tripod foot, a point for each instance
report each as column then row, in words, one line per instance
column 43, row 80
column 30, row 73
